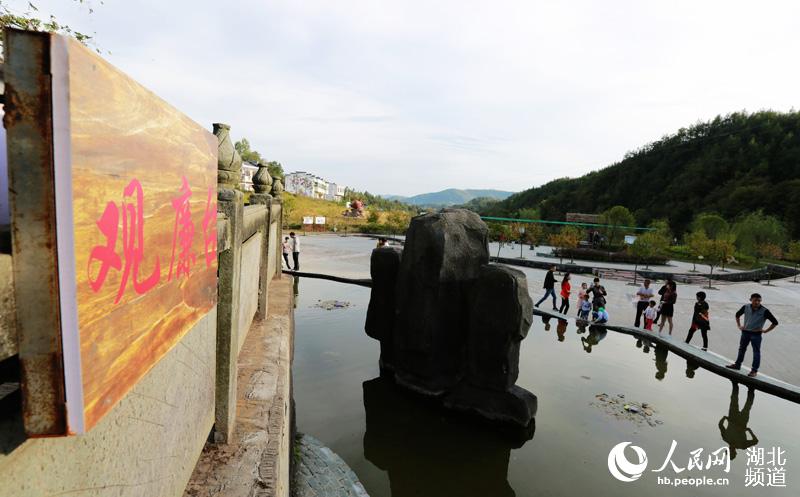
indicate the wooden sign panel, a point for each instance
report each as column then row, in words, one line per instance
column 135, row 210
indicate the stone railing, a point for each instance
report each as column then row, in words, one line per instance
column 249, row 257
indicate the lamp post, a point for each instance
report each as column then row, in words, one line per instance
column 521, row 237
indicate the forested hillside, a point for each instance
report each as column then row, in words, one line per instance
column 732, row 165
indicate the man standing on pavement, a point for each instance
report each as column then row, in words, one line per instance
column 549, row 287
column 645, row 294
column 295, row 244
column 755, row 317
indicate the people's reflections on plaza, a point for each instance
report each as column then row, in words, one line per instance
column 596, row 335
column 428, row 451
column 733, row 427
column 691, row 367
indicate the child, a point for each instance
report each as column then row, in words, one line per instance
column 581, row 295
column 650, row 315
column 585, row 307
column 700, row 319
column 601, row 317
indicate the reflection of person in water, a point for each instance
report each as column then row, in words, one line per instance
column 661, row 353
column 296, row 289
column 546, row 321
column 644, row 345
column 733, row 427
column 428, row 451
column 596, row 333
column 691, row 367
column 561, row 329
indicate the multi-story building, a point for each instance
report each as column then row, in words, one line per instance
column 335, row 192
column 310, row 185
column 248, row 171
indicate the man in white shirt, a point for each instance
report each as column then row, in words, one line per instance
column 645, row 294
column 295, row 244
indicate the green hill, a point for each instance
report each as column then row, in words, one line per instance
column 732, row 165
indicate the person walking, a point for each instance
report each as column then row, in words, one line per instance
column 549, row 287
column 700, row 320
column 566, row 288
column 668, row 306
column 755, row 317
column 295, row 246
column 285, row 248
column 645, row 294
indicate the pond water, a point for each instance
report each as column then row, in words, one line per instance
column 400, row 445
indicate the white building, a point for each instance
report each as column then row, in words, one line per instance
column 335, row 192
column 307, row 184
column 248, row 171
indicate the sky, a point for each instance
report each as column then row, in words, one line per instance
column 415, row 96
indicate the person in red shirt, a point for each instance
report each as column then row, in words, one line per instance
column 565, row 291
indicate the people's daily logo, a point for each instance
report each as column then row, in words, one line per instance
column 621, row 468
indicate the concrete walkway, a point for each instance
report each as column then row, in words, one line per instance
column 707, row 360
column 256, row 462
column 319, row 472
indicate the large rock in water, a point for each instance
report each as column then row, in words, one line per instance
column 383, row 267
column 441, row 262
column 501, row 314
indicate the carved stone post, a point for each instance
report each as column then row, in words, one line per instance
column 231, row 203
column 261, row 184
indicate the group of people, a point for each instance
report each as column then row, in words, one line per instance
column 591, row 299
column 750, row 319
column 291, row 244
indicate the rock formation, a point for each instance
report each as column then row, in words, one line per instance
column 449, row 323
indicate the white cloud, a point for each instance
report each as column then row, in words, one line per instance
column 406, row 97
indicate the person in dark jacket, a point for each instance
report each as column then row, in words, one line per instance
column 549, row 288
column 700, row 320
column 755, row 317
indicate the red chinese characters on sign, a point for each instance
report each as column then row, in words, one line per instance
column 182, row 233
column 131, row 210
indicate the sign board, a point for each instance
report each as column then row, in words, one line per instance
column 319, row 220
column 308, row 219
column 134, row 184
column 630, row 239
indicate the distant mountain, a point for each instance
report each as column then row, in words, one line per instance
column 451, row 196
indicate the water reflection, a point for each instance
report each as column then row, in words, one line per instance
column 561, row 329
column 427, row 451
column 661, row 353
column 596, row 335
column 296, row 289
column 691, row 367
column 733, row 427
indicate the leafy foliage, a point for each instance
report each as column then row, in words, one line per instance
column 617, row 217
column 28, row 19
column 732, row 165
column 756, row 230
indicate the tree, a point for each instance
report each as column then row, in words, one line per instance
column 715, row 252
column 617, row 217
column 713, row 225
column 696, row 240
column 528, row 213
column 768, row 250
column 534, row 234
column 398, row 221
column 249, row 155
column 275, row 169
column 755, row 230
column 793, row 255
column 567, row 238
column 27, row 20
